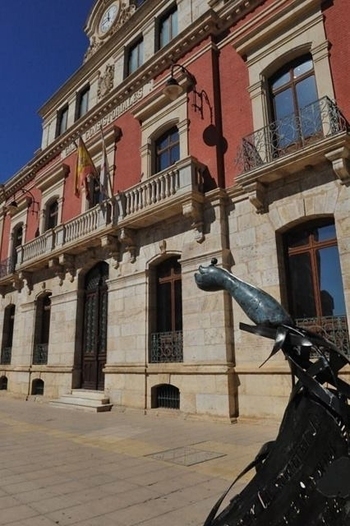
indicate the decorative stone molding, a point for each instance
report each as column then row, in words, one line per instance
column 257, row 196
column 112, row 245
column 340, row 160
column 68, row 263
column 57, row 269
column 105, row 82
column 126, row 12
column 21, row 279
column 162, row 246
column 93, row 47
column 194, row 211
column 127, row 237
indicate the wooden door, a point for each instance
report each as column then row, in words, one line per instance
column 95, row 327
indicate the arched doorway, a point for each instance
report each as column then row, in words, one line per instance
column 94, row 352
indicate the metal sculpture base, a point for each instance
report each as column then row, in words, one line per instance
column 303, row 477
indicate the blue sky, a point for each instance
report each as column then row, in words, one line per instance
column 42, row 43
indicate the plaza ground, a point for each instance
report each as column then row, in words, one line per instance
column 64, row 467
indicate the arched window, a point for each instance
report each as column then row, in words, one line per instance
column 42, row 329
column 7, row 334
column 314, row 280
column 3, row 383
column 165, row 395
column 166, row 344
column 38, row 387
column 167, row 149
column 294, row 106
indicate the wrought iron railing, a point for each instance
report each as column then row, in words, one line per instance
column 314, row 122
column 40, row 354
column 166, row 347
column 7, row 266
column 333, row 328
column 6, row 353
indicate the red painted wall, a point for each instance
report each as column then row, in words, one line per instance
column 337, row 25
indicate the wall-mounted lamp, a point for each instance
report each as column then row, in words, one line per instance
column 12, row 207
column 173, row 90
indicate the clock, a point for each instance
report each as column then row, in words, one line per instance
column 108, row 17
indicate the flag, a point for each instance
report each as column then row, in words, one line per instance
column 84, row 168
column 105, row 176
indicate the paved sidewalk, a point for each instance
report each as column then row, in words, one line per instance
column 63, row 467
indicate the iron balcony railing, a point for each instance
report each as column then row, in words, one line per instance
column 40, row 354
column 333, row 328
column 166, row 347
column 6, row 353
column 314, row 122
column 7, row 266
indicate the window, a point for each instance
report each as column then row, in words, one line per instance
column 7, row 335
column 134, row 57
column 38, row 387
column 316, row 297
column 167, row 149
column 94, row 193
column 168, row 28
column 42, row 329
column 17, row 238
column 167, row 340
column 3, row 383
column 52, row 215
column 294, row 103
column 82, row 104
column 138, row 3
column 165, row 395
column 62, row 121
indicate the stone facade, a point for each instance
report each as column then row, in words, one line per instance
column 211, row 201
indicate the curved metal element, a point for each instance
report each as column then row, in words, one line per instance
column 259, row 306
column 303, row 477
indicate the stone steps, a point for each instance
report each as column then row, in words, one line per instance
column 84, row 400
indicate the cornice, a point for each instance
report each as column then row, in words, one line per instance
column 276, row 17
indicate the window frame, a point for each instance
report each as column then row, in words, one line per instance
column 49, row 214
column 136, row 46
column 62, row 120
column 311, row 247
column 167, row 17
column 157, row 153
column 82, row 107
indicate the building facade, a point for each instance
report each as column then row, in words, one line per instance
column 217, row 129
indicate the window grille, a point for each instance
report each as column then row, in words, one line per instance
column 167, row 396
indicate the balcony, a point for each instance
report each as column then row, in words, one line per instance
column 333, row 328
column 7, row 267
column 6, row 354
column 40, row 354
column 166, row 347
column 171, row 192
column 163, row 195
column 298, row 141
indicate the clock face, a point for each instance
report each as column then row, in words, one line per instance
column 108, row 18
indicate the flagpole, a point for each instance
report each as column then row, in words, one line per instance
column 107, row 173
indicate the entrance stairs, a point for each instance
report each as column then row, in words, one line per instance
column 84, row 400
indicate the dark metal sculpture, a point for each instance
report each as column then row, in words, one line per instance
column 303, row 477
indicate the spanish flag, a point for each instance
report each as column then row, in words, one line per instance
column 84, row 168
